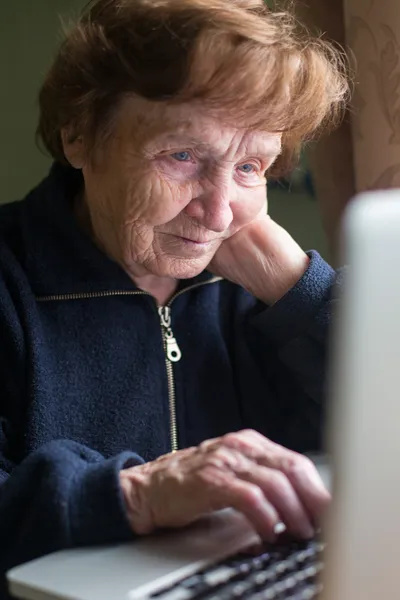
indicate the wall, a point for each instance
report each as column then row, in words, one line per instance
column 299, row 214
column 29, row 33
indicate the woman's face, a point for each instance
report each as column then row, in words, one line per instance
column 171, row 184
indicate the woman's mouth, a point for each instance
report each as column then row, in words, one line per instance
column 190, row 246
column 197, row 242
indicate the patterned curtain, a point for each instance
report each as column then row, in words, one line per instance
column 373, row 34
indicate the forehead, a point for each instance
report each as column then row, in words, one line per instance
column 152, row 124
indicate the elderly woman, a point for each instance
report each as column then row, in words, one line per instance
column 163, row 340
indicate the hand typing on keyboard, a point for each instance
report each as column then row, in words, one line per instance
column 268, row 483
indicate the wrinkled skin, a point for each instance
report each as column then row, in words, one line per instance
column 266, row 482
column 169, row 190
column 173, row 191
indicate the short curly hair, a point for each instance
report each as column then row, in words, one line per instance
column 257, row 64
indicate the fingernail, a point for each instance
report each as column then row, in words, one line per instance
column 279, row 528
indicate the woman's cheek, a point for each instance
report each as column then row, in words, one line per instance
column 156, row 200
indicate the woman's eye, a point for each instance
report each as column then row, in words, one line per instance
column 181, row 156
column 247, row 168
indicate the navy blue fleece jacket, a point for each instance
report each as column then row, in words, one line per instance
column 83, row 380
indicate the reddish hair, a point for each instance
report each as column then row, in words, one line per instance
column 257, row 64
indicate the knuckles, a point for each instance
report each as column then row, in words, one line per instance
column 216, row 457
column 254, row 496
column 297, row 463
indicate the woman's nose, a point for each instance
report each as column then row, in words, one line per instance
column 212, row 208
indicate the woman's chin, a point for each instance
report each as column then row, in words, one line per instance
column 180, row 268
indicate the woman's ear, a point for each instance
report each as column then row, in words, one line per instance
column 74, row 148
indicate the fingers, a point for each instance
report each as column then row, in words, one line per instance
column 280, row 492
column 206, row 486
column 227, row 465
column 296, row 488
column 275, row 486
column 299, row 469
column 305, row 479
column 267, row 483
column 249, row 499
column 223, row 478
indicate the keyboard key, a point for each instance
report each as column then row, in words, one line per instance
column 283, row 572
column 312, row 571
column 191, row 581
column 289, row 583
column 310, row 593
column 263, row 577
column 219, row 575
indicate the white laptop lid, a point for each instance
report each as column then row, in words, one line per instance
column 363, row 559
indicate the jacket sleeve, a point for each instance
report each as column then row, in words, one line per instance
column 297, row 328
column 61, row 495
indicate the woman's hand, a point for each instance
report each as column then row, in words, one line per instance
column 266, row 482
column 263, row 258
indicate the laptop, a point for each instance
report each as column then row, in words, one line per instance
column 358, row 555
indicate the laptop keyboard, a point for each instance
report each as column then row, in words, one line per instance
column 284, row 572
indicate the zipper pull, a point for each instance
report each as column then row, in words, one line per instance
column 172, row 349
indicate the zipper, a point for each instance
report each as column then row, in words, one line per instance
column 172, row 351
column 87, row 295
column 172, row 355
